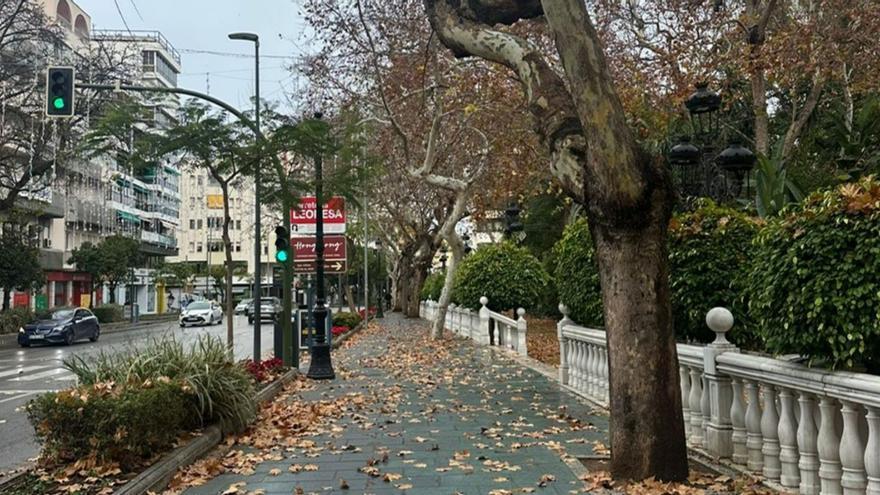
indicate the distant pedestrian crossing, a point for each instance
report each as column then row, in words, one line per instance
column 49, row 372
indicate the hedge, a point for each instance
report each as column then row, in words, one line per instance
column 709, row 258
column 814, row 286
column 507, row 274
column 125, row 424
column 577, row 275
column 346, row 319
column 13, row 319
column 108, row 313
column 433, row 286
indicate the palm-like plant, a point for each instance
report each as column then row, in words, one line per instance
column 774, row 190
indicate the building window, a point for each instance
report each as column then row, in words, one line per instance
column 192, row 202
column 199, row 223
column 265, row 249
column 192, row 224
column 192, row 247
column 199, row 182
column 238, row 225
column 199, row 247
column 237, row 247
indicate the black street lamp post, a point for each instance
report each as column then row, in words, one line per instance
column 511, row 217
column 381, row 302
column 467, row 245
column 443, row 258
column 320, row 367
column 258, row 240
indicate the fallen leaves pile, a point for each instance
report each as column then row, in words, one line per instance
column 698, row 484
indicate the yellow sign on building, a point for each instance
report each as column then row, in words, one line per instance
column 215, row 201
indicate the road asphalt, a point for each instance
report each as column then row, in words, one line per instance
column 25, row 373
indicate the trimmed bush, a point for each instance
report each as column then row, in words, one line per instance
column 222, row 391
column 577, row 275
column 507, row 274
column 433, row 286
column 13, row 319
column 125, row 424
column 709, row 258
column 108, row 313
column 814, row 288
column 346, row 319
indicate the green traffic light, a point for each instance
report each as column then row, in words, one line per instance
column 58, row 102
column 281, row 256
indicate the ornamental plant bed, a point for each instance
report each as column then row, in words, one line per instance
column 128, row 410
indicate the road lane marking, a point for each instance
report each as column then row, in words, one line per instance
column 25, row 369
column 19, row 396
column 46, row 374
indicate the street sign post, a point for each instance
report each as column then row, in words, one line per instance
column 303, row 217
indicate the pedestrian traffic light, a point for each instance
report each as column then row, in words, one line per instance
column 59, row 92
column 282, row 244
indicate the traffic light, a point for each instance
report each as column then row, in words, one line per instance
column 59, row 92
column 282, row 244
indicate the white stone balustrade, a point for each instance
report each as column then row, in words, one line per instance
column 512, row 333
column 811, row 430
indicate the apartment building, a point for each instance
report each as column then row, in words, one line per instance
column 85, row 200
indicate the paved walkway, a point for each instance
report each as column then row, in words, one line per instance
column 406, row 416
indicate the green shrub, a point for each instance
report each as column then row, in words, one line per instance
column 111, row 423
column 13, row 319
column 508, row 275
column 433, row 286
column 346, row 319
column 709, row 257
column 814, row 287
column 577, row 275
column 222, row 390
column 108, row 313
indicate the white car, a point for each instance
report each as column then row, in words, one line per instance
column 201, row 313
column 241, row 308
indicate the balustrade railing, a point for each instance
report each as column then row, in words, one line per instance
column 509, row 333
column 811, row 430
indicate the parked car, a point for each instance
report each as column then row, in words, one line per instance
column 241, row 308
column 64, row 326
column 201, row 313
column 270, row 309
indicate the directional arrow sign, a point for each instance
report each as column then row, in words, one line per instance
column 311, row 266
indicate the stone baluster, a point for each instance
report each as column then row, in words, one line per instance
column 788, row 446
column 563, row 344
column 485, row 321
column 852, row 451
column 829, row 448
column 604, row 382
column 574, row 367
column 583, row 364
column 591, row 384
column 754, row 440
column 769, row 430
column 807, row 441
column 738, row 421
column 685, row 384
column 872, row 452
column 522, row 331
column 450, row 309
column 718, row 394
column 704, row 407
column 696, row 437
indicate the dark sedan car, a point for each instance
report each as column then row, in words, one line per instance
column 64, row 326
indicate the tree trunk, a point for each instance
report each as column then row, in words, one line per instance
column 227, row 243
column 112, row 288
column 445, row 295
column 647, row 440
column 7, row 294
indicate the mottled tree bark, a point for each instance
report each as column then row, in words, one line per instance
column 628, row 198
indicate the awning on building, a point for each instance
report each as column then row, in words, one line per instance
column 128, row 216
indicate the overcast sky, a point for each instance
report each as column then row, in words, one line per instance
column 203, row 25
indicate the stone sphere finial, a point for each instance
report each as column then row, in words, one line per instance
column 564, row 310
column 720, row 321
column 521, row 312
column 484, row 300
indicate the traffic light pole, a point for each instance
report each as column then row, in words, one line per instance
column 282, row 177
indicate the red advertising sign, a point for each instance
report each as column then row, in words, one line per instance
column 304, row 216
column 21, row 300
column 304, row 248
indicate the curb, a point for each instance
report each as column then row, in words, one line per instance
column 156, row 477
column 11, row 339
column 342, row 338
